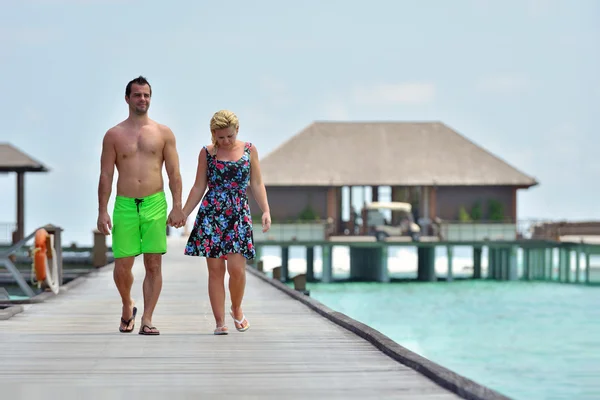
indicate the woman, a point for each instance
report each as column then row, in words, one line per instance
column 223, row 226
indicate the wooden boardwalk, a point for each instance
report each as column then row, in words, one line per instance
column 71, row 342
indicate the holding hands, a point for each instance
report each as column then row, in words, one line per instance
column 177, row 218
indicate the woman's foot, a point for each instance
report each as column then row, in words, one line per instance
column 221, row 330
column 240, row 321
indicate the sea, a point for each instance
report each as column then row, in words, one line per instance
column 527, row 340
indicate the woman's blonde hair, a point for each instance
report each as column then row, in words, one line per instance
column 222, row 119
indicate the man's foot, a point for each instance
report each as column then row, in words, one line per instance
column 240, row 321
column 148, row 329
column 127, row 324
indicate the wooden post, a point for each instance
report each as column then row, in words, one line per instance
column 577, row 264
column 551, row 264
column 285, row 260
column 567, row 265
column 277, row 273
column 587, row 266
column 544, row 263
column 300, row 283
column 56, row 231
column 503, row 255
column 20, row 232
column 426, row 264
column 512, row 264
column 491, row 261
column 327, row 273
column 310, row 263
column 477, row 262
column 374, row 193
column 526, row 263
column 450, row 253
column 535, row 262
column 384, row 275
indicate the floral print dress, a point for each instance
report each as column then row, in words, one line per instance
column 223, row 224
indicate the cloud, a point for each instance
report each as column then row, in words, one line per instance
column 537, row 8
column 335, row 110
column 29, row 35
column 530, row 8
column 276, row 91
column 31, row 114
column 502, row 84
column 273, row 85
column 78, row 2
column 411, row 93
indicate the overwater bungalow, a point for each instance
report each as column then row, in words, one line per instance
column 446, row 178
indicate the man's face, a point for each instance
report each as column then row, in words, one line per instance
column 139, row 99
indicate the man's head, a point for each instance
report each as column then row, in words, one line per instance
column 224, row 126
column 137, row 94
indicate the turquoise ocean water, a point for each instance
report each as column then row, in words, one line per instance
column 527, row 340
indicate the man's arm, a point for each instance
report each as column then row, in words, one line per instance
column 172, row 166
column 108, row 158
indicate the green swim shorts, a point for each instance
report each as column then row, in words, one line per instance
column 139, row 225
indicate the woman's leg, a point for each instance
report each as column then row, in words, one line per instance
column 216, row 288
column 236, row 267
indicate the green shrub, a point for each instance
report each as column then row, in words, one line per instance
column 476, row 212
column 463, row 215
column 495, row 210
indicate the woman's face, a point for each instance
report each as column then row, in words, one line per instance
column 226, row 137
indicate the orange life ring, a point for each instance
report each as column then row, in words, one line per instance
column 40, row 254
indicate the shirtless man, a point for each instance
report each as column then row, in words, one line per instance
column 138, row 147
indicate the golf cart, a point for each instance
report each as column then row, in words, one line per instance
column 381, row 228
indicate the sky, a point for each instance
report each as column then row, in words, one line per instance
column 517, row 77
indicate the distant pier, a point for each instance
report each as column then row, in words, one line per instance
column 369, row 259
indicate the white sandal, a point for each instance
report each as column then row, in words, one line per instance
column 240, row 322
column 221, row 330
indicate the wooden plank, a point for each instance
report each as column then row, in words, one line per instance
column 71, row 342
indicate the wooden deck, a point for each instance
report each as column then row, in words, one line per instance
column 71, row 342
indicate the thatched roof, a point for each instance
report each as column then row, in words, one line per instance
column 14, row 160
column 385, row 153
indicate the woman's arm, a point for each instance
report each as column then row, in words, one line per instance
column 258, row 188
column 197, row 191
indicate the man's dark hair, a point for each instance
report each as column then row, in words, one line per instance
column 140, row 80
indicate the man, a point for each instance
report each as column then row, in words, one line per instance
column 139, row 147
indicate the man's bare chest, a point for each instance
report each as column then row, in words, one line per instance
column 144, row 144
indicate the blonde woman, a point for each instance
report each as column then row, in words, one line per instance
column 223, row 227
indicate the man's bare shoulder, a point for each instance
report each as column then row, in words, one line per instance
column 164, row 129
column 114, row 132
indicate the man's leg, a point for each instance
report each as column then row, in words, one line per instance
column 124, row 280
column 126, row 245
column 236, row 267
column 152, row 287
column 153, row 218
